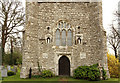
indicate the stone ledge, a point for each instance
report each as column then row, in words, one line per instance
column 63, row 0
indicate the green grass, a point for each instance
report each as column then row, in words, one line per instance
column 17, row 78
column 0, row 74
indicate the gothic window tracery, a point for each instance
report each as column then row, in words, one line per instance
column 63, row 34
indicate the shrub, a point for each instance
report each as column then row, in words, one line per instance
column 94, row 74
column 104, row 74
column 46, row 73
column 113, row 66
column 87, row 72
column 10, row 73
column 80, row 72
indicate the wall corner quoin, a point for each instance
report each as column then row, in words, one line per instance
column 105, row 65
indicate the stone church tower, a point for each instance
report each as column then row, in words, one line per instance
column 60, row 36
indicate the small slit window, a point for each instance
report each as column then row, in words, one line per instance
column 79, row 40
column 48, row 40
column 48, row 28
column 78, row 27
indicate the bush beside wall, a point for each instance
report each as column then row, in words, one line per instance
column 10, row 73
column 87, row 72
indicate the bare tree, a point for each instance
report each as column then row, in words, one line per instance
column 117, row 14
column 114, row 40
column 11, row 18
column 116, row 31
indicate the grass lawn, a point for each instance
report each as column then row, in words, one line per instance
column 0, row 75
column 17, row 78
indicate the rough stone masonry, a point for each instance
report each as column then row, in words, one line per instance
column 60, row 36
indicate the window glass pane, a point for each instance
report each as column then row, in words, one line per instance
column 69, row 38
column 63, row 38
column 57, row 37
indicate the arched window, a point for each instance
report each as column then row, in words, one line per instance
column 48, row 40
column 63, row 38
column 79, row 40
column 57, row 37
column 69, row 38
column 63, row 34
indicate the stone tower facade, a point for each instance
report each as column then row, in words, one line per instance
column 60, row 36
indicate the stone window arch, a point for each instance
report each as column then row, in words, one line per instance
column 79, row 39
column 48, row 38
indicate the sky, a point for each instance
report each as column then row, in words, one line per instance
column 109, row 8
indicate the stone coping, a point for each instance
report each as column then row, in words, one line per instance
column 63, row 0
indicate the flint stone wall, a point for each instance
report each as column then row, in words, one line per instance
column 39, row 16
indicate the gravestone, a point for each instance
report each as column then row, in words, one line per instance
column 1, row 67
column 9, row 68
column 14, row 69
column 4, row 72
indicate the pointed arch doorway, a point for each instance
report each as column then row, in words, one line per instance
column 64, row 66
